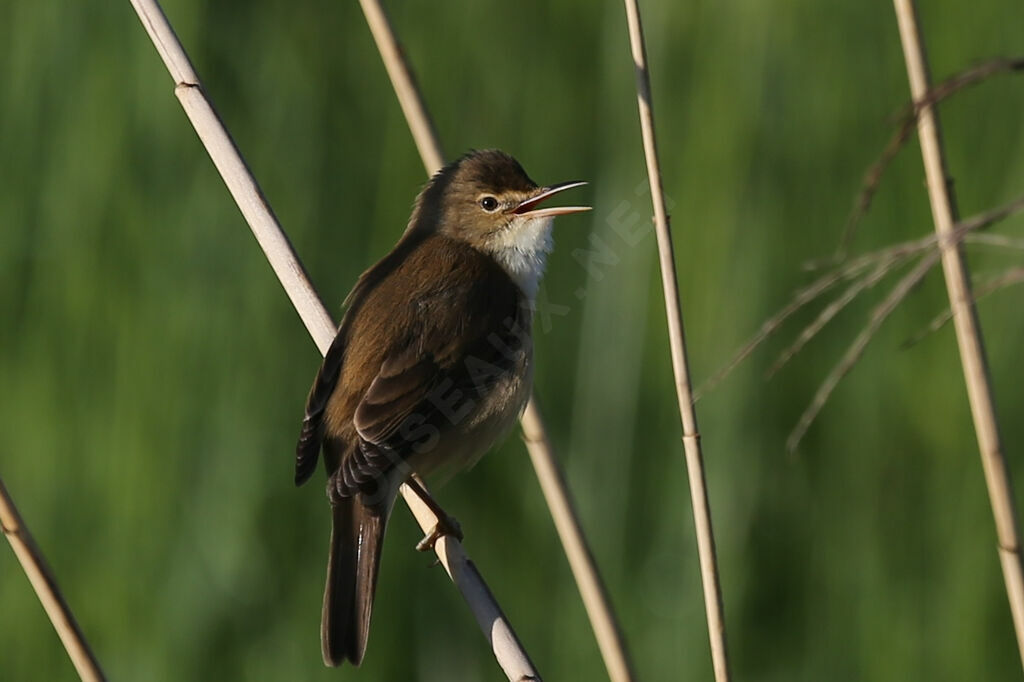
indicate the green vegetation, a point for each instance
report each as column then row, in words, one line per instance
column 153, row 373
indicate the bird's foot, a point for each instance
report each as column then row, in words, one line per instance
column 445, row 526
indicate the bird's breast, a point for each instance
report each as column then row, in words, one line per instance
column 487, row 415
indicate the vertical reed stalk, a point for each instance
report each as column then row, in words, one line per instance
column 402, row 80
column 965, row 318
column 677, row 341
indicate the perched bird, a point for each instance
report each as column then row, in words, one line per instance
column 431, row 364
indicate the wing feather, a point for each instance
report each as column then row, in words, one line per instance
column 307, row 451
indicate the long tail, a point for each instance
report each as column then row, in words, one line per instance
column 356, row 539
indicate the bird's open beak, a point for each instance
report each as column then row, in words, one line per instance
column 526, row 208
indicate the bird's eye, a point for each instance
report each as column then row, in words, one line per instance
column 489, row 204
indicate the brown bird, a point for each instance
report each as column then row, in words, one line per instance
column 432, row 363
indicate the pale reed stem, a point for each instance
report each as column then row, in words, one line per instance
column 609, row 637
column 684, row 394
column 965, row 319
column 45, row 584
column 404, row 83
column 506, row 647
column 552, row 481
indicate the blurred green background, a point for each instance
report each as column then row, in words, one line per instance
column 153, row 373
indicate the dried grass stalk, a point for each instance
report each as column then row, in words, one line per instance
column 907, row 119
column 45, row 584
column 884, row 261
column 1004, row 280
column 965, row 319
column 404, row 83
column 883, row 268
column 856, row 349
column 595, row 597
column 677, row 342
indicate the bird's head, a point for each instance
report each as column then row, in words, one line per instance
column 487, row 200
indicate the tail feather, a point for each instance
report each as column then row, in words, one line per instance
column 356, row 539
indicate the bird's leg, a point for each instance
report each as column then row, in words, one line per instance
column 446, row 525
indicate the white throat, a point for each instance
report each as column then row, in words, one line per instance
column 522, row 250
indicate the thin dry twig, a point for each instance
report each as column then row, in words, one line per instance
column 988, row 218
column 889, row 258
column 506, row 647
column 404, row 83
column 831, row 310
column 45, row 585
column 1006, row 279
column 850, row 271
column 856, row 349
column 807, row 295
column 965, row 320
column 677, row 342
column 581, row 560
column 596, row 601
column 869, row 186
column 1000, row 241
column 907, row 118
column 802, row 298
column 972, row 76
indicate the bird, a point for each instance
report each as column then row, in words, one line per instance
column 432, row 363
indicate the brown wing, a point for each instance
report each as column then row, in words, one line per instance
column 450, row 341
column 311, row 438
column 397, row 391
